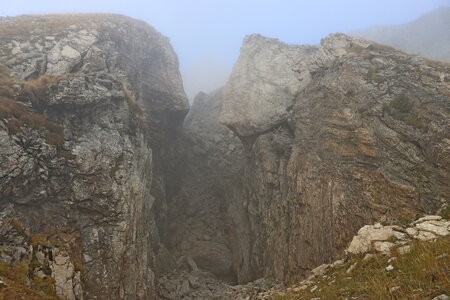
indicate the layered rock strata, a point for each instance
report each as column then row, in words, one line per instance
column 337, row 136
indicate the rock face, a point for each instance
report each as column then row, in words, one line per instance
column 105, row 193
column 356, row 132
column 212, row 159
column 90, row 111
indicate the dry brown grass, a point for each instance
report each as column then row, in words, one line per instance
column 17, row 278
column 19, row 115
column 36, row 90
column 53, row 24
column 420, row 274
column 134, row 107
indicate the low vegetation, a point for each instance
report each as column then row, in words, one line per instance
column 134, row 107
column 20, row 280
column 17, row 115
column 401, row 108
column 373, row 76
column 19, row 286
column 36, row 90
column 421, row 274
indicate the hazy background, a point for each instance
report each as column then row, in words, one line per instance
column 207, row 34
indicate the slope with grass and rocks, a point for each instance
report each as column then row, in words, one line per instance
column 383, row 262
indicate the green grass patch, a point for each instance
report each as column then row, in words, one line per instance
column 401, row 108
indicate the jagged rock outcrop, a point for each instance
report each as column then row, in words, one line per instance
column 91, row 107
column 106, row 194
column 356, row 132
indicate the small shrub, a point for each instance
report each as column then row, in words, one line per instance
column 445, row 212
column 46, row 270
column 400, row 108
column 403, row 222
column 401, row 104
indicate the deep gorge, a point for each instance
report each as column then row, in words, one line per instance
column 114, row 187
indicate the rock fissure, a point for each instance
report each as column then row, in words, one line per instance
column 135, row 196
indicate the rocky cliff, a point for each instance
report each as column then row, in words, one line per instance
column 334, row 136
column 90, row 108
column 109, row 192
column 337, row 136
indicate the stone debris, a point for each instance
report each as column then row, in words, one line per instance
column 352, row 267
column 385, row 238
column 394, row 288
column 441, row 297
column 442, row 256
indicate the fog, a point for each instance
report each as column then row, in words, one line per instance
column 207, row 35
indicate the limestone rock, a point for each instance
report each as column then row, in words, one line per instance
column 109, row 103
column 433, row 227
column 348, row 155
column 367, row 235
column 263, row 85
column 425, row 236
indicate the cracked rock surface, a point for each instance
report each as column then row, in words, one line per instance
column 360, row 133
column 87, row 184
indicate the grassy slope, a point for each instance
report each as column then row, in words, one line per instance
column 420, row 274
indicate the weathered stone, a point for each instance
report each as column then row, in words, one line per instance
column 348, row 157
column 384, row 247
column 425, row 236
column 111, row 88
column 427, row 218
column 428, row 226
column 441, row 297
column 318, row 271
column 350, row 269
column 411, row 231
column 369, row 234
column 337, row 263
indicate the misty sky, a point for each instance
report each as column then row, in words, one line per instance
column 207, row 34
